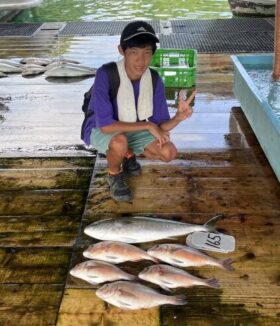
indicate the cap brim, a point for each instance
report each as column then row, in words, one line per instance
column 152, row 36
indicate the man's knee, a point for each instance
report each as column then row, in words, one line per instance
column 168, row 152
column 119, row 144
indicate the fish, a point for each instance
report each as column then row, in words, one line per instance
column 37, row 61
column 184, row 256
column 62, row 63
column 10, row 62
column 69, row 71
column 96, row 272
column 33, row 71
column 139, row 229
column 169, row 277
column 133, row 295
column 63, row 60
column 116, row 252
column 6, row 68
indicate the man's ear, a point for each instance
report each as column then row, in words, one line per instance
column 120, row 50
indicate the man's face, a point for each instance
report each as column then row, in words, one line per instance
column 137, row 60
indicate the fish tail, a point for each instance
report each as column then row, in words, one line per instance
column 213, row 283
column 178, row 300
column 210, row 224
column 226, row 264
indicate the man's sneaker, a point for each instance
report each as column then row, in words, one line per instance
column 131, row 166
column 118, row 187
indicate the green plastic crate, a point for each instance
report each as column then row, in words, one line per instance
column 177, row 67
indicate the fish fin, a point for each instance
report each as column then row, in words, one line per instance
column 210, row 224
column 213, row 283
column 165, row 288
column 124, row 304
column 177, row 261
column 226, row 264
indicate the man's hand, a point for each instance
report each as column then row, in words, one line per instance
column 184, row 110
column 161, row 135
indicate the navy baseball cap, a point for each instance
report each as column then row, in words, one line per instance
column 137, row 28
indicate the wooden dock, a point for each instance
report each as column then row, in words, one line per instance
column 50, row 189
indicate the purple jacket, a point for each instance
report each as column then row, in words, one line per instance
column 106, row 112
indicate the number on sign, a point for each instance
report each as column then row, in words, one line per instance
column 213, row 240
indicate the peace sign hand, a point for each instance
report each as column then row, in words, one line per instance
column 184, row 109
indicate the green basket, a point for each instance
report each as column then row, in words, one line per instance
column 177, row 67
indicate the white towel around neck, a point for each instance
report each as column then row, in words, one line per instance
column 125, row 97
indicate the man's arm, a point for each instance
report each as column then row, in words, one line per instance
column 184, row 111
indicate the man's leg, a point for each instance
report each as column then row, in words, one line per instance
column 117, row 151
column 166, row 153
column 118, row 148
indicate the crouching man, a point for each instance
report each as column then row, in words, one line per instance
column 128, row 114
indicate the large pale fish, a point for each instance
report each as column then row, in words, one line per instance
column 68, row 64
column 7, row 68
column 132, row 295
column 32, row 69
column 143, row 229
column 184, row 256
column 96, row 272
column 10, row 62
column 64, row 60
column 169, row 277
column 69, row 71
column 37, row 61
column 116, row 252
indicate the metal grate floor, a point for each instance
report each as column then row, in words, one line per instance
column 99, row 28
column 237, row 25
column 22, row 30
column 220, row 43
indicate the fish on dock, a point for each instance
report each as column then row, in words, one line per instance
column 7, row 68
column 96, row 272
column 68, row 64
column 169, row 277
column 132, row 295
column 116, row 252
column 139, row 229
column 69, row 71
column 35, row 60
column 10, row 63
column 184, row 256
column 32, row 69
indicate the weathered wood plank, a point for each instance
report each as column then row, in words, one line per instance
column 18, row 179
column 46, row 162
column 29, row 304
column 38, row 231
column 36, row 265
column 82, row 307
column 42, row 202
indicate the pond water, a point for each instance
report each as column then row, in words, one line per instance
column 89, row 10
column 269, row 89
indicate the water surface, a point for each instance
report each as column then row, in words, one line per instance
column 269, row 89
column 89, row 10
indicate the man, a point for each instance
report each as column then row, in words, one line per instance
column 137, row 121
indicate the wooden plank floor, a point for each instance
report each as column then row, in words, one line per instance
column 46, row 200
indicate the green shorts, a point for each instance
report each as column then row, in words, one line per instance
column 137, row 140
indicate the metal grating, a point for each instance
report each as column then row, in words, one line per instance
column 219, row 42
column 238, row 25
column 99, row 28
column 7, row 29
